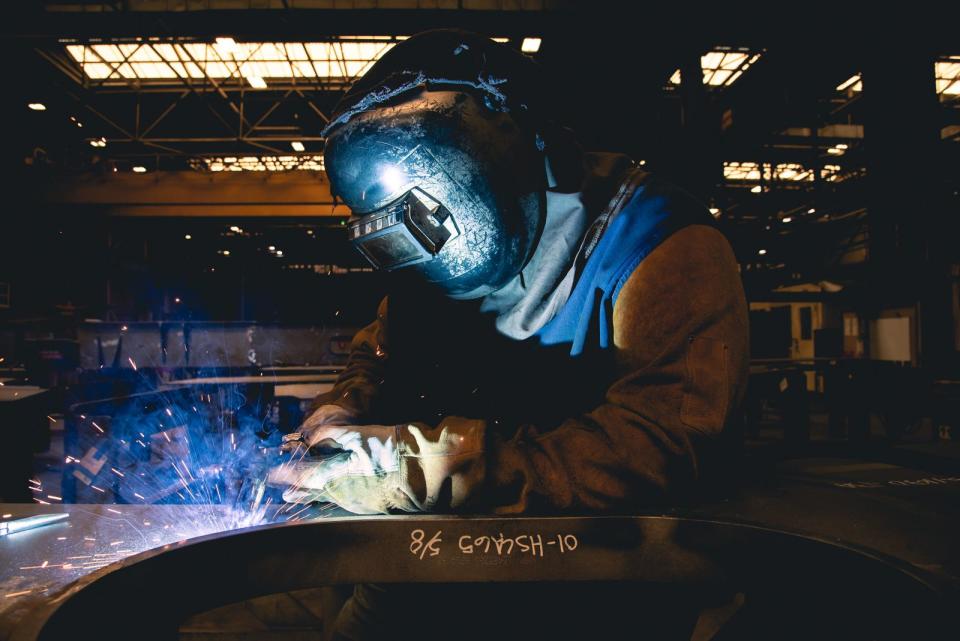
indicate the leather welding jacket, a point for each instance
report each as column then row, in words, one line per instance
column 622, row 401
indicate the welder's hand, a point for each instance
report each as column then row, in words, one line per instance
column 353, row 466
column 325, row 415
column 377, row 469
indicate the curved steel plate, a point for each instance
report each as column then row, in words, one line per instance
column 149, row 594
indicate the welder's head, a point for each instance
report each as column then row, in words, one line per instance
column 438, row 153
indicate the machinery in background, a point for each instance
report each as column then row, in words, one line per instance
column 171, row 389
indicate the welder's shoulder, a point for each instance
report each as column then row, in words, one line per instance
column 690, row 276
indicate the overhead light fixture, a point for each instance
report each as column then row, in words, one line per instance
column 257, row 82
column 714, row 211
column 271, row 248
column 225, row 252
column 787, row 219
column 176, row 300
column 139, row 169
column 235, row 229
column 531, row 45
column 756, row 189
column 762, row 252
column 279, row 254
column 187, row 237
column 501, row 39
column 642, row 163
column 37, row 106
column 812, row 210
column 297, row 145
column 98, row 142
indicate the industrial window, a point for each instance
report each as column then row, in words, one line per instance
column 155, row 62
column 947, row 73
column 854, row 84
column 757, row 172
column 258, row 163
column 722, row 67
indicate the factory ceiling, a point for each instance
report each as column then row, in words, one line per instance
column 181, row 86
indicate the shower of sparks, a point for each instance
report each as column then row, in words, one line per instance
column 154, row 474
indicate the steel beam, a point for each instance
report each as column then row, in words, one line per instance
column 197, row 194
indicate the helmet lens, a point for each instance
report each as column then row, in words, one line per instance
column 390, row 250
column 409, row 230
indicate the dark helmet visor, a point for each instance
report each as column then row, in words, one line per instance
column 410, row 230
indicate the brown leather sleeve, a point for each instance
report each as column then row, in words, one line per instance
column 356, row 387
column 681, row 346
column 681, row 350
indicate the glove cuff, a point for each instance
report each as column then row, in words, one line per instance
column 440, row 467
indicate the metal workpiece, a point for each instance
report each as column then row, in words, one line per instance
column 711, row 559
column 828, row 548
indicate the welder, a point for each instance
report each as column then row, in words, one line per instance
column 565, row 333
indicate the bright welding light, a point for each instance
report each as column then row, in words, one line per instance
column 37, row 106
column 530, row 45
column 392, row 179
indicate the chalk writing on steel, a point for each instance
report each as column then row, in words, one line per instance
column 924, row 482
column 533, row 545
column 420, row 548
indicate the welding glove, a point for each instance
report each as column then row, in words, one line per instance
column 324, row 415
column 378, row 469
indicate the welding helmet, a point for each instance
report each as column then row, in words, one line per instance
column 442, row 169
